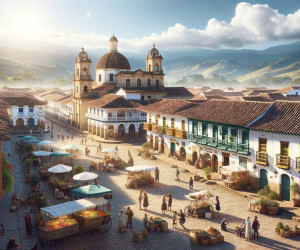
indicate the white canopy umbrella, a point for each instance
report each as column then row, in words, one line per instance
column 45, row 143
column 60, row 168
column 140, row 168
column 41, row 153
column 227, row 170
column 201, row 193
column 85, row 176
column 109, row 150
column 69, row 147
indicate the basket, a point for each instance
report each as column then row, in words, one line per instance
column 145, row 233
column 152, row 227
column 138, row 237
column 213, row 240
column 220, row 238
column 293, row 233
column 158, row 229
column 195, row 237
column 204, row 241
column 164, row 226
column 90, row 223
column 122, row 229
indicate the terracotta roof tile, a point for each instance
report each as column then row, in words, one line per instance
column 22, row 100
column 111, row 101
column 282, row 117
column 238, row 113
column 287, row 89
column 178, row 91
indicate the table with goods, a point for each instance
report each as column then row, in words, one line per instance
column 139, row 176
column 70, row 218
column 65, row 184
column 158, row 224
column 207, row 237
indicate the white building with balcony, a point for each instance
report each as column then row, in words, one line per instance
column 112, row 116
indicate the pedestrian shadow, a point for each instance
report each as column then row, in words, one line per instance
column 274, row 244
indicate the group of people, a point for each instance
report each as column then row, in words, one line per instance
column 164, row 205
column 121, row 221
column 143, row 196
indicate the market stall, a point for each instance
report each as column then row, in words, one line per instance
column 200, row 205
column 72, row 217
column 207, row 237
column 139, row 175
column 70, row 149
column 62, row 157
column 109, row 164
column 92, row 190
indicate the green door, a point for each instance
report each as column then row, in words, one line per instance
column 263, row 178
column 173, row 147
column 285, row 187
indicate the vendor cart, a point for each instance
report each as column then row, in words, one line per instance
column 69, row 218
column 139, row 176
column 199, row 203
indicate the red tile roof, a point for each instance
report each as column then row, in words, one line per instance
column 178, row 91
column 287, row 89
column 21, row 100
column 282, row 117
column 238, row 113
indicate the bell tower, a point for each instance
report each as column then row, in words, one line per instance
column 154, row 61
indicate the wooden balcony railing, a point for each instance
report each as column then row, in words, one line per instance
column 262, row 158
column 180, row 134
column 297, row 167
column 282, row 161
column 170, row 131
column 155, row 128
column 148, row 126
column 161, row 130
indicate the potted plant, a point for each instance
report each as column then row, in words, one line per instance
column 27, row 165
column 286, row 231
column 207, row 172
column 263, row 209
column 231, row 138
column 189, row 161
column 273, row 207
column 295, row 189
column 278, row 227
column 34, row 180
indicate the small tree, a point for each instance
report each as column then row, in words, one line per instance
column 78, row 169
column 147, row 145
column 295, row 189
column 207, row 171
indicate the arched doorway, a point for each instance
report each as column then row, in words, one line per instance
column 285, row 187
column 20, row 123
column 131, row 129
column 121, row 130
column 263, row 178
column 141, row 129
column 110, row 131
column 206, row 160
column 155, row 143
column 214, row 163
column 30, row 122
column 182, row 154
column 194, row 157
column 151, row 141
column 162, row 145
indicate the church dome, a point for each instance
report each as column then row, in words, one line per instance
column 153, row 52
column 113, row 60
column 113, row 39
column 82, row 56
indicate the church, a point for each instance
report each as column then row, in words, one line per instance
column 107, row 103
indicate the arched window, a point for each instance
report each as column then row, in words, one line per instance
column 99, row 77
column 157, row 83
column 84, row 71
column 148, row 83
column 127, row 82
column 156, row 68
column 85, row 89
column 111, row 77
column 139, row 83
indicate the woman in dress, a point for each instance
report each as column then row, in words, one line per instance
column 164, row 205
column 248, row 229
column 140, row 199
column 146, row 201
column 121, row 222
column 170, row 200
column 217, row 206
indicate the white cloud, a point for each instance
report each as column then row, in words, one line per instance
column 89, row 15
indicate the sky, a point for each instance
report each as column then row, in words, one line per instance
column 170, row 24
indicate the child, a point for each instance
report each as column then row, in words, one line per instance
column 175, row 219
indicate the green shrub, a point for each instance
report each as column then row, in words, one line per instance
column 265, row 191
column 28, row 163
column 78, row 169
column 273, row 196
column 279, row 225
column 28, row 147
column 286, row 228
column 207, row 171
column 7, row 180
column 189, row 161
column 267, row 202
column 295, row 188
column 147, row 145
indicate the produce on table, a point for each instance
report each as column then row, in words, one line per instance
column 139, row 179
column 61, row 222
column 92, row 213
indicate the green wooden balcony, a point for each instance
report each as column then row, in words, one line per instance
column 202, row 139
column 212, row 141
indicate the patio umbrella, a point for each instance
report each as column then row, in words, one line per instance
column 41, row 153
column 85, row 176
column 140, row 168
column 109, row 150
column 45, row 143
column 69, row 147
column 27, row 137
column 91, row 191
column 32, row 141
column 227, row 170
column 60, row 168
column 61, row 154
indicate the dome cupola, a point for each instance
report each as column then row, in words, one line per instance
column 153, row 53
column 82, row 56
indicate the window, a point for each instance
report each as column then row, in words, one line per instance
column 156, row 68
column 84, row 71
column 31, row 109
column 98, row 112
column 149, row 67
column 139, row 83
column 245, row 136
column 262, row 145
column 99, row 77
column 148, row 83
column 94, row 111
column 157, row 83
column 127, row 82
column 284, row 148
column 109, row 114
column 164, row 121
column 111, row 77
column 149, row 96
column 204, row 128
column 77, row 72
column 243, row 162
column 85, row 89
column 21, row 109
column 150, row 119
column 183, row 125
column 101, row 113
column 143, row 98
column 156, row 120
column 172, row 122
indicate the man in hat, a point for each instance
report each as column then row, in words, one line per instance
column 28, row 224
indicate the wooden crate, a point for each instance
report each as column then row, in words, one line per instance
column 138, row 237
column 164, row 226
column 59, row 233
column 204, row 241
column 213, row 240
column 195, row 237
column 152, row 227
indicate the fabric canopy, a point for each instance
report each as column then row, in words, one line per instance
column 61, row 153
column 27, row 137
column 91, row 191
column 85, row 176
column 140, row 168
column 227, row 170
column 41, row 153
column 45, row 143
column 73, row 206
column 60, row 168
column 202, row 192
column 32, row 141
column 69, row 147
column 109, row 150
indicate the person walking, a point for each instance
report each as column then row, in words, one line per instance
column 100, row 148
column 129, row 214
column 175, row 219
column 116, row 148
column 85, row 141
column 146, row 201
column 156, row 175
column 177, row 174
column 58, row 134
column 224, row 224
column 2, row 234
column 121, row 222
column 170, row 200
column 164, row 205
column 248, row 229
column 255, row 227
column 146, row 223
column 28, row 224
column 140, row 199
column 217, row 206
column 191, row 183
column 181, row 219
